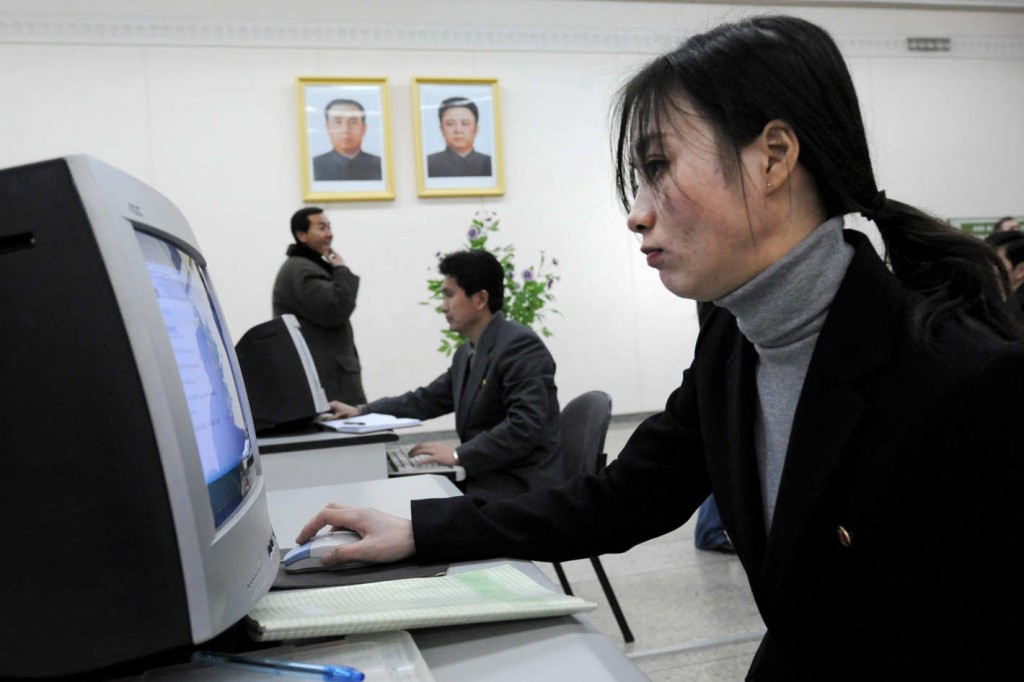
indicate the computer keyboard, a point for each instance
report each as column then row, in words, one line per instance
column 400, row 464
column 398, row 457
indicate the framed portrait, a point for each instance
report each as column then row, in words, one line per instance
column 458, row 137
column 345, row 139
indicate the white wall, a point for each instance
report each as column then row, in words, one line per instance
column 197, row 99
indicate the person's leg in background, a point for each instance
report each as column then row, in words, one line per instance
column 710, row 534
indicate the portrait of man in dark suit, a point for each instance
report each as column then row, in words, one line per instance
column 345, row 121
column 459, row 118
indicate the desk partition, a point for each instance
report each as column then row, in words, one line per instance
column 324, row 457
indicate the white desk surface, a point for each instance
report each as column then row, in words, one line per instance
column 329, row 436
column 567, row 648
column 291, row 509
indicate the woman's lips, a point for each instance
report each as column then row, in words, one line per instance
column 653, row 256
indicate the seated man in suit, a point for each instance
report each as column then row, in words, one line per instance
column 460, row 120
column 501, row 387
column 345, row 120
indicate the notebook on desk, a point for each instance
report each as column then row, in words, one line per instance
column 488, row 595
column 399, row 464
column 368, row 423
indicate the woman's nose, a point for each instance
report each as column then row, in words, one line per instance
column 641, row 216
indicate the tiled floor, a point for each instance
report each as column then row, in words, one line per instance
column 690, row 611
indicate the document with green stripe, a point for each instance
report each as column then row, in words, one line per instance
column 492, row 594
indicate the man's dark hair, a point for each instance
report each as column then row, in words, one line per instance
column 344, row 103
column 474, row 271
column 456, row 102
column 1015, row 252
column 1012, row 241
column 300, row 220
column 997, row 239
column 998, row 226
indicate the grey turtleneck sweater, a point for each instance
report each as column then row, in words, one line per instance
column 781, row 311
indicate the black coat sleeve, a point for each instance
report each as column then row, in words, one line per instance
column 653, row 486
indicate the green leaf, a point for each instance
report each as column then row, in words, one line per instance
column 524, row 301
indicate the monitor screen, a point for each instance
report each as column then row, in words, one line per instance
column 200, row 352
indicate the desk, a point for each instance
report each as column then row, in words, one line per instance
column 290, row 509
column 318, row 457
column 567, row 648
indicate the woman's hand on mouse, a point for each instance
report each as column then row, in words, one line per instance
column 385, row 538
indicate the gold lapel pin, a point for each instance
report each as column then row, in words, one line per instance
column 845, row 537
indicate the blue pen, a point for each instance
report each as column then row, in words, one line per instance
column 273, row 666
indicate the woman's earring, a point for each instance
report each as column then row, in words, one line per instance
column 769, row 187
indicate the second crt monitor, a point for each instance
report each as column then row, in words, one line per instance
column 280, row 378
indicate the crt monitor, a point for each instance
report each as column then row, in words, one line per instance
column 135, row 515
column 280, row 377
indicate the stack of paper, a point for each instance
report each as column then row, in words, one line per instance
column 493, row 594
column 366, row 423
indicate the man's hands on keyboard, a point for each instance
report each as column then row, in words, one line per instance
column 401, row 457
column 432, row 453
column 400, row 463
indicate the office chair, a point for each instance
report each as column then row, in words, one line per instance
column 584, row 426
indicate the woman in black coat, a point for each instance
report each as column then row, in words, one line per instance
column 853, row 417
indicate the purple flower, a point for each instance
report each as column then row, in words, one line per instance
column 551, row 282
column 473, row 233
column 554, row 261
column 527, row 275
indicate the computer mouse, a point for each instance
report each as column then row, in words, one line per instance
column 306, row 557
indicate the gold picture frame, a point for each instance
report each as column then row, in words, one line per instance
column 457, row 129
column 345, row 139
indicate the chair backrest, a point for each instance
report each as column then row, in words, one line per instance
column 585, row 421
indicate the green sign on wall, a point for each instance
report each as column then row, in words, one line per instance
column 979, row 227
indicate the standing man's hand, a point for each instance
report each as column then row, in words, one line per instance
column 334, row 258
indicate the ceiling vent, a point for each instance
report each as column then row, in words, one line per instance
column 929, row 44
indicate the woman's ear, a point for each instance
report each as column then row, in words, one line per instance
column 780, row 151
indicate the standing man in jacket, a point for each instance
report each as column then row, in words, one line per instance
column 316, row 286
